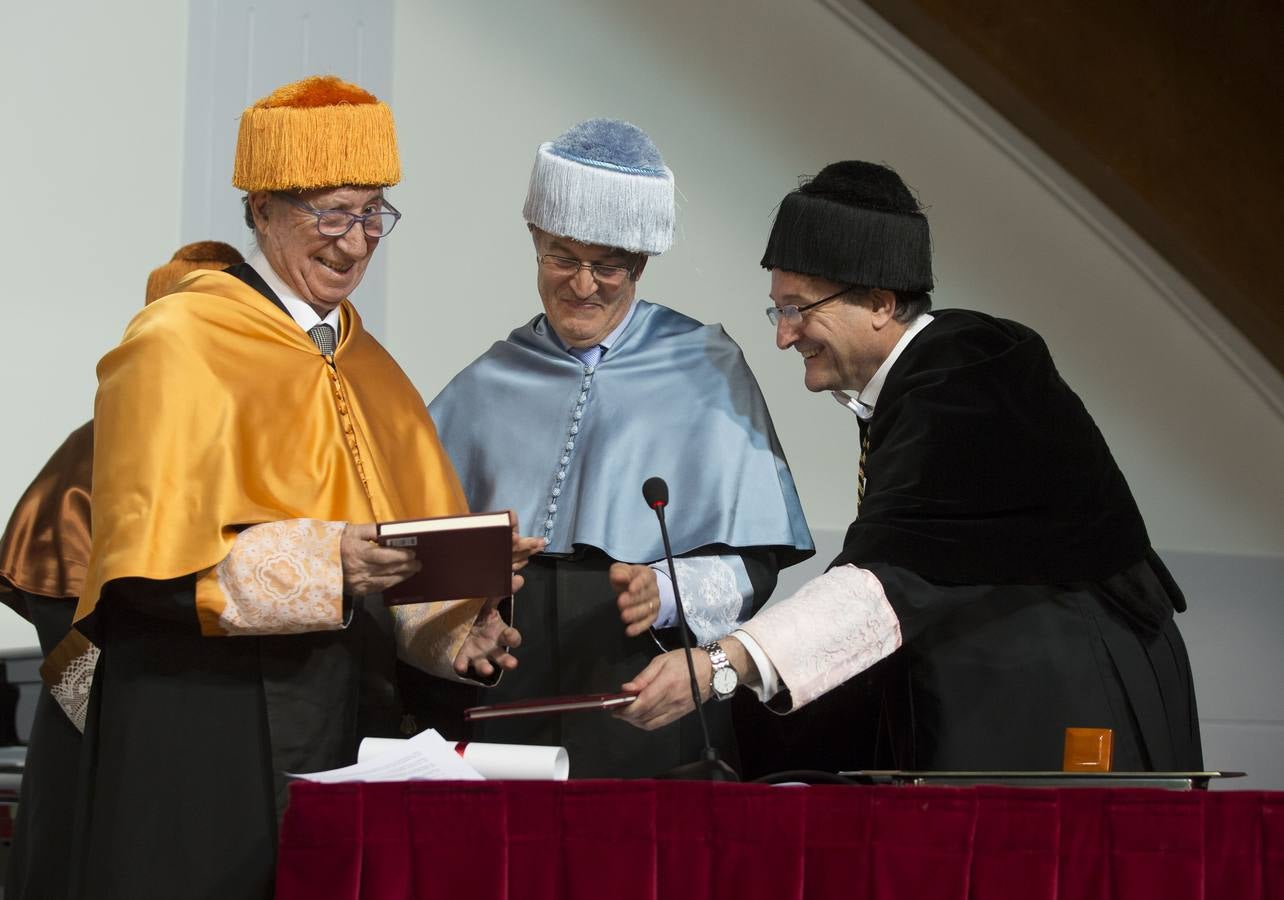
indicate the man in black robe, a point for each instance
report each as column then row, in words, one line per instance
column 998, row 584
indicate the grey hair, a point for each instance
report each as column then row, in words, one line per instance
column 909, row 304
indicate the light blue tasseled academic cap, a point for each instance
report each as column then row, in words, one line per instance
column 603, row 182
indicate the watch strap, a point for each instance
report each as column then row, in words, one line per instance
column 719, row 660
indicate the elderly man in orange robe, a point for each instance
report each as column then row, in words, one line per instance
column 248, row 433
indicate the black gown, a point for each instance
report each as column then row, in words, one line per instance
column 156, row 823
column 155, row 820
column 1015, row 558
column 573, row 642
column 43, row 553
column 42, row 828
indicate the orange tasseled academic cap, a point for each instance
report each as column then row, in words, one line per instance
column 318, row 132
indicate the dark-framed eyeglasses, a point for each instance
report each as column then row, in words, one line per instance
column 792, row 315
column 565, row 266
column 338, row 222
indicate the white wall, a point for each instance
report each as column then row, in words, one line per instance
column 92, row 118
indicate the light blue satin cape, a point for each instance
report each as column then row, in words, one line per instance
column 672, row 397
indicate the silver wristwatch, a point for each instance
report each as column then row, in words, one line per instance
column 724, row 679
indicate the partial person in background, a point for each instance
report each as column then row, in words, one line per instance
column 998, row 561
column 566, row 419
column 248, row 431
column 43, row 555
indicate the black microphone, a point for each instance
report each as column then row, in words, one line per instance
column 710, row 767
column 656, row 494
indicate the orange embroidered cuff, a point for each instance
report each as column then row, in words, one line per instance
column 279, row 578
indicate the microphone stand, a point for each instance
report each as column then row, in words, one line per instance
column 709, row 767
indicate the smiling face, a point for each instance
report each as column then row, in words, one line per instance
column 321, row 270
column 842, row 342
column 581, row 310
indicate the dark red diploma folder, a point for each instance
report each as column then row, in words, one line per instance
column 465, row 556
column 544, row 705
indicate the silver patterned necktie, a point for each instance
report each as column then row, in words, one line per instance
column 323, row 336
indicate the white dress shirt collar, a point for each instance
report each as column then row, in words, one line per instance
column 863, row 403
column 302, row 313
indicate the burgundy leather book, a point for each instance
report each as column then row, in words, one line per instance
column 544, row 705
column 463, row 557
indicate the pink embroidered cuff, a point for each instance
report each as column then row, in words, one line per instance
column 836, row 626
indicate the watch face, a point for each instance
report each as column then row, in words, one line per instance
column 724, row 681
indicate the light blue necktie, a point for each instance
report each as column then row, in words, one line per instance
column 589, row 356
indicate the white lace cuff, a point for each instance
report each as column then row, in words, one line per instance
column 283, row 578
column 716, row 591
column 833, row 628
column 71, row 690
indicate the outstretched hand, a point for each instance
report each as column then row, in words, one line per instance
column 639, row 596
column 664, row 690
column 488, row 644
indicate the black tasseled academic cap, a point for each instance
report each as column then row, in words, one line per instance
column 854, row 223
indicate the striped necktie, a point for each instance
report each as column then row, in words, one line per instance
column 589, row 356
column 323, row 336
column 860, row 472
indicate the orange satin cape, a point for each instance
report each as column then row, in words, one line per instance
column 216, row 412
column 45, row 547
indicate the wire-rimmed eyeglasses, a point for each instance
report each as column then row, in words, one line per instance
column 793, row 314
column 565, row 266
column 338, row 222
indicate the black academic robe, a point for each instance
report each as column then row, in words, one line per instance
column 153, row 822
column 567, row 610
column 1014, row 556
column 258, row 706
column 42, row 828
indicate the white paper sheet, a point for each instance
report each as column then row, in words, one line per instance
column 425, row 757
column 496, row 762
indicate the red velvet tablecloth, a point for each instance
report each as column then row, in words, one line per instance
column 637, row 840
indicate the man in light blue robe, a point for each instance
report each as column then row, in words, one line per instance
column 565, row 420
